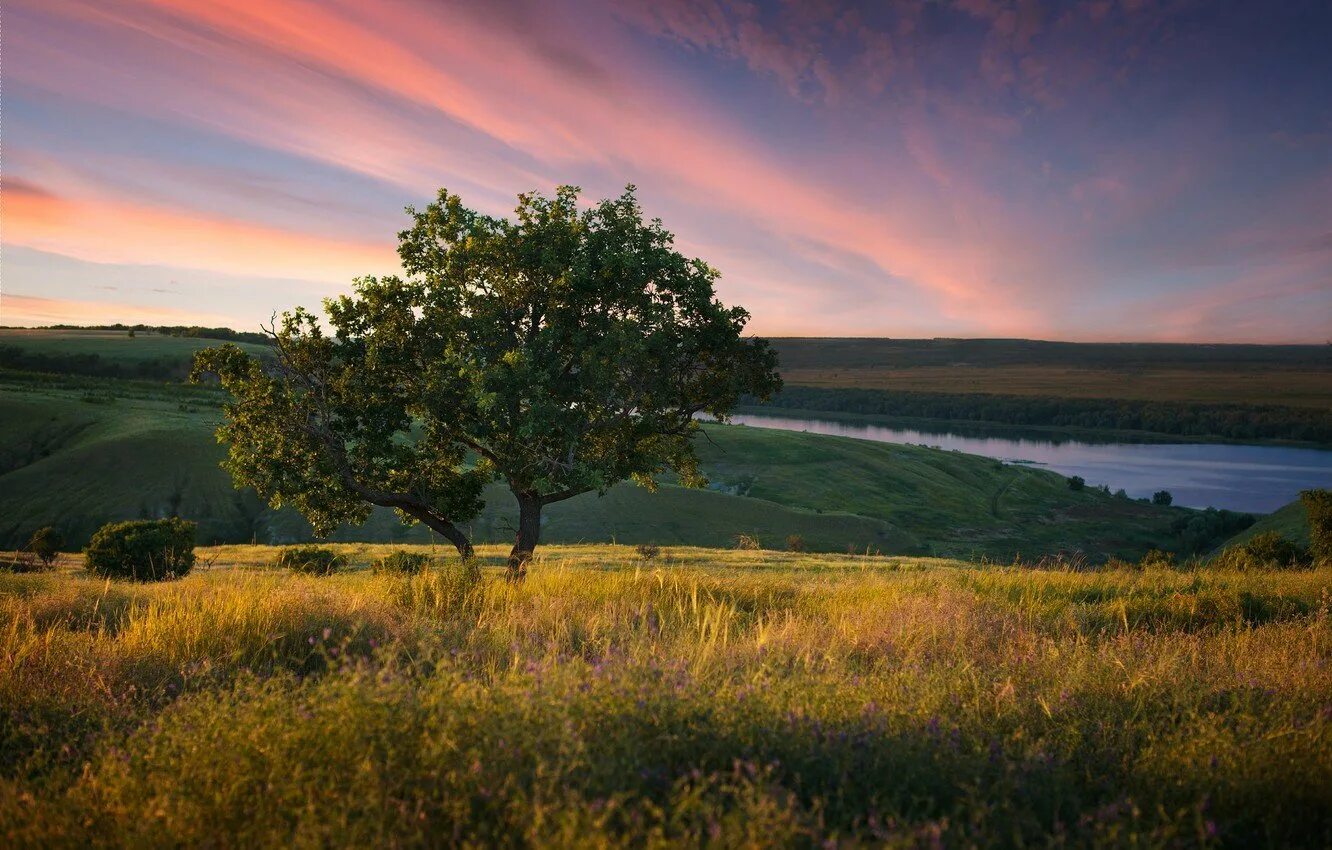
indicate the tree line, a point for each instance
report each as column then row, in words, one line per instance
column 1183, row 419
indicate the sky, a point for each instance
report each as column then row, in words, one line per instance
column 1111, row 170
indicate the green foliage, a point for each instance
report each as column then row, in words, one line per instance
column 1076, row 483
column 1156, row 559
column 1318, row 511
column 314, row 560
column 45, row 544
column 566, row 350
column 1162, row 497
column 401, row 562
column 143, row 550
column 1265, row 551
column 1199, row 531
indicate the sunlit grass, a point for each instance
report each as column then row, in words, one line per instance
column 703, row 697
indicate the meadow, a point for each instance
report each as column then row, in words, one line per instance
column 700, row 697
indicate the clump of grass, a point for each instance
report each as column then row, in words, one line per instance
column 758, row 699
column 314, row 560
column 401, row 562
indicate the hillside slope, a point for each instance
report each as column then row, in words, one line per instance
column 1290, row 521
column 76, row 459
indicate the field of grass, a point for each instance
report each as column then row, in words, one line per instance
column 1287, row 387
column 114, row 346
column 85, row 452
column 701, row 699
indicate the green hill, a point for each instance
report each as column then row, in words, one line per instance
column 79, row 452
column 1290, row 521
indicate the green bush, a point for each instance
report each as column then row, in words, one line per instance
column 1162, row 497
column 402, row 562
column 315, row 560
column 45, row 545
column 1156, row 559
column 1318, row 510
column 1076, row 483
column 1266, row 551
column 144, row 550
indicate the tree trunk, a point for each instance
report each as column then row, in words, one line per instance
column 446, row 529
column 529, row 532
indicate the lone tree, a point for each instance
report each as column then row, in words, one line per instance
column 560, row 352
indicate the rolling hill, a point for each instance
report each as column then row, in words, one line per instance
column 76, row 457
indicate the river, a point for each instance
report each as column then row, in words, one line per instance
column 1257, row 479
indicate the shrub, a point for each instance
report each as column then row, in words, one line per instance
column 23, row 562
column 144, row 550
column 45, row 545
column 401, row 561
column 795, row 543
column 747, row 541
column 647, row 551
column 1162, row 497
column 1318, row 510
column 1076, row 482
column 315, row 560
column 1157, row 559
column 1266, row 551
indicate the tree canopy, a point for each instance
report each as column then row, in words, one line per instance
column 560, row 352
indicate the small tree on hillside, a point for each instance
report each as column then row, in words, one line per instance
column 560, row 353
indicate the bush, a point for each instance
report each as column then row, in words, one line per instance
column 23, row 562
column 45, row 545
column 1266, row 551
column 401, row 561
column 144, row 550
column 315, row 560
column 1318, row 510
column 1076, row 482
column 1156, row 559
column 647, row 551
column 1162, row 497
column 795, row 543
column 747, row 541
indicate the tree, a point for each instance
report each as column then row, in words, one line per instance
column 1318, row 512
column 45, row 544
column 561, row 352
column 1162, row 497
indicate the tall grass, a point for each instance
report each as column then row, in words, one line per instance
column 707, row 699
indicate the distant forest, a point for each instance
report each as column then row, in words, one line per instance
column 1227, row 421
column 186, row 331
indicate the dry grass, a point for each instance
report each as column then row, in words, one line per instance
column 718, row 698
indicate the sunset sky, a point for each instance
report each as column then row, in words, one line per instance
column 1099, row 171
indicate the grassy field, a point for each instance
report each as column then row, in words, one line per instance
column 704, row 698
column 115, row 346
column 1258, row 386
column 80, row 453
column 1292, row 375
